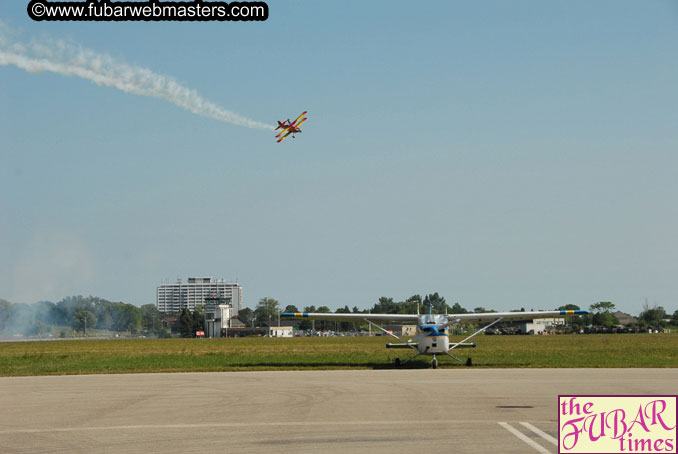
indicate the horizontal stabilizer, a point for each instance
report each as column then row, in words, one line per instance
column 464, row 345
column 410, row 345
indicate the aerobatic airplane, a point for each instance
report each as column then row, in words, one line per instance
column 432, row 330
column 290, row 127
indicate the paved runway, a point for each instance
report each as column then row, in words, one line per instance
column 461, row 410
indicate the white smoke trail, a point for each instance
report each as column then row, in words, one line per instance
column 72, row 60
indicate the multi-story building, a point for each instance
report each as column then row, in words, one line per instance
column 176, row 297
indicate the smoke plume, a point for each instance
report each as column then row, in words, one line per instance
column 69, row 59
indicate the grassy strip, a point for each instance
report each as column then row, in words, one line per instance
column 195, row 355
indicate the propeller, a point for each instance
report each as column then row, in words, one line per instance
column 418, row 337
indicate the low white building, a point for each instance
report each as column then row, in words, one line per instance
column 402, row 330
column 532, row 328
column 281, row 331
column 551, row 321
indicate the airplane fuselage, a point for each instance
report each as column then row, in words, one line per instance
column 434, row 344
column 437, row 339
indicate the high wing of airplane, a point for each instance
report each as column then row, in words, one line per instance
column 432, row 329
column 290, row 127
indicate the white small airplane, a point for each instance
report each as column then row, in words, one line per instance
column 432, row 331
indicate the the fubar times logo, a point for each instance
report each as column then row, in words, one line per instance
column 617, row 424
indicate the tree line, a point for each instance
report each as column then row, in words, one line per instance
column 81, row 313
column 601, row 314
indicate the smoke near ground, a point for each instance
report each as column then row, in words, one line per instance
column 76, row 314
column 69, row 59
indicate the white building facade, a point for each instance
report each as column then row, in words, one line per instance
column 281, row 331
column 178, row 296
column 217, row 318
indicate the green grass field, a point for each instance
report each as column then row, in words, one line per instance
column 202, row 355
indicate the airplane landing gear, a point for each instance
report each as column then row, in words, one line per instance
column 397, row 362
column 434, row 362
column 469, row 362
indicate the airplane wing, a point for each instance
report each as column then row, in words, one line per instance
column 294, row 123
column 285, row 129
column 351, row 317
column 452, row 318
column 487, row 316
column 296, row 126
column 285, row 136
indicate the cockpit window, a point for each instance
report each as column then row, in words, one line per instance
column 432, row 319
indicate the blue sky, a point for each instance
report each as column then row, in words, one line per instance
column 503, row 154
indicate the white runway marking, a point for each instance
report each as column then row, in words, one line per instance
column 541, row 433
column 524, row 438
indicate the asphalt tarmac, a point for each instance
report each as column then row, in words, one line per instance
column 399, row 411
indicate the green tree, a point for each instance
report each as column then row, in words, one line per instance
column 186, row 323
column 198, row 318
column 5, row 314
column 385, row 306
column 83, row 319
column 246, row 316
column 603, row 306
column 605, row 319
column 411, row 305
column 104, row 317
column 126, row 317
column 653, row 316
column 66, row 308
column 266, row 310
column 602, row 314
column 457, row 309
column 291, row 308
column 150, row 317
column 437, row 302
column 343, row 310
column 569, row 307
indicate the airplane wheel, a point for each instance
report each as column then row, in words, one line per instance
column 434, row 363
column 469, row 362
column 397, row 362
